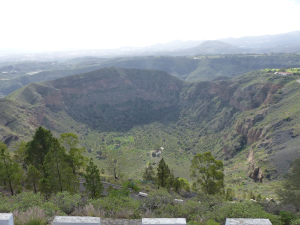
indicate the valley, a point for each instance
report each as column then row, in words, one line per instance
column 250, row 121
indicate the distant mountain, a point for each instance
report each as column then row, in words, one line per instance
column 252, row 120
column 286, row 42
column 173, row 46
column 211, row 47
column 190, row 68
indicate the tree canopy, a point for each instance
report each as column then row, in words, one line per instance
column 163, row 173
column 92, row 180
column 208, row 173
column 290, row 193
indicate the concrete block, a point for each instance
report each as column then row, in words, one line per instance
column 247, row 221
column 6, row 219
column 142, row 194
column 178, row 201
column 163, row 221
column 76, row 220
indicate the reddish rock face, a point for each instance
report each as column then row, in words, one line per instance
column 253, row 96
column 222, row 89
column 246, row 98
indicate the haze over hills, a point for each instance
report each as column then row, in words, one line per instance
column 251, row 121
column 277, row 43
column 15, row 75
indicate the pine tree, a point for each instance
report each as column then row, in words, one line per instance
column 163, row 173
column 57, row 171
column 38, row 148
column 290, row 193
column 92, row 180
column 10, row 172
column 32, row 178
column 149, row 174
column 74, row 154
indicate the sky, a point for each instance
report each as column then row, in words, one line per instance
column 53, row 25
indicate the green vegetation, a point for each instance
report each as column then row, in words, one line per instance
column 290, row 194
column 208, row 205
column 92, row 180
column 225, row 117
column 208, row 173
column 163, row 173
column 128, row 120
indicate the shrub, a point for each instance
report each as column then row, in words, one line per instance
column 50, row 209
column 157, row 199
column 66, row 202
column 240, row 210
column 229, row 194
column 89, row 210
column 191, row 210
column 33, row 216
column 116, row 207
column 212, row 222
column 21, row 202
column 295, row 222
column 286, row 217
column 130, row 184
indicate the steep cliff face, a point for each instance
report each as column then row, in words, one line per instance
column 245, row 127
column 244, row 98
column 108, row 99
column 253, row 96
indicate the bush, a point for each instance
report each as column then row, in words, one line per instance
column 89, row 210
column 33, row 216
column 240, row 210
column 191, row 210
column 212, row 222
column 286, row 217
column 130, row 184
column 21, row 202
column 66, row 202
column 50, row 209
column 296, row 222
column 117, row 207
column 157, row 199
column 211, row 200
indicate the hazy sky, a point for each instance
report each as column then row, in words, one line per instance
column 102, row 24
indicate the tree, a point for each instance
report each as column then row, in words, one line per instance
column 32, row 178
column 20, row 154
column 208, row 173
column 184, row 184
column 177, row 185
column 74, row 154
column 290, row 193
column 58, row 172
column 163, row 173
column 149, row 174
column 92, row 180
column 69, row 140
column 38, row 148
column 115, row 164
column 10, row 172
